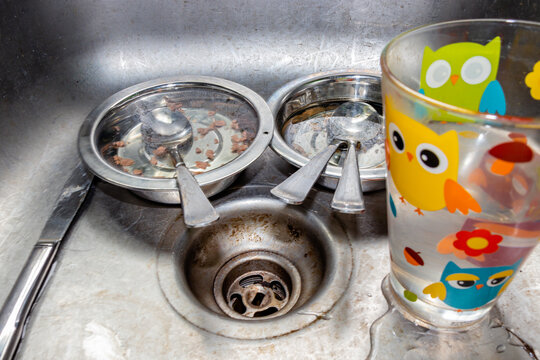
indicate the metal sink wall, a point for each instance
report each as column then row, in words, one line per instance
column 60, row 59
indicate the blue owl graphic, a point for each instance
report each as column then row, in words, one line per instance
column 471, row 288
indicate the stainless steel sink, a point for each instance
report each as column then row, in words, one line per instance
column 61, row 59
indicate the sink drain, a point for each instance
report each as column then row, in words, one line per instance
column 265, row 269
column 257, row 285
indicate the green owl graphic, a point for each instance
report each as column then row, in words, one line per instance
column 464, row 75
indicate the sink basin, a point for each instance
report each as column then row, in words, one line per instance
column 62, row 59
column 262, row 262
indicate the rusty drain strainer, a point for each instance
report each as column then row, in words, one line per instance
column 257, row 285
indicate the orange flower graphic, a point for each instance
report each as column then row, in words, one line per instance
column 477, row 242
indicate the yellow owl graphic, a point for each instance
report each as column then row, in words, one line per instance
column 424, row 164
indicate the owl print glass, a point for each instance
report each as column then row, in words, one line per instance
column 462, row 110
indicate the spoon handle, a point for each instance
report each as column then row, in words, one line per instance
column 348, row 197
column 296, row 187
column 198, row 211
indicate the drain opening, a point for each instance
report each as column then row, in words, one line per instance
column 237, row 304
column 261, row 291
column 257, row 300
column 266, row 312
column 257, row 284
column 248, row 280
column 278, row 289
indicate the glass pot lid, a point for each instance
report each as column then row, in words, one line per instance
column 125, row 139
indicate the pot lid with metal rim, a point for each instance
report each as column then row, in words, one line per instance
column 301, row 108
column 231, row 124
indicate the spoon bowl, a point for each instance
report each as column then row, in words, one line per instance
column 172, row 131
column 354, row 123
column 162, row 127
column 357, row 123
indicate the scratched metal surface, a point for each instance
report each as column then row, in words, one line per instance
column 61, row 59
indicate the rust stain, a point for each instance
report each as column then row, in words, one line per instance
column 268, row 349
column 102, row 292
column 293, row 232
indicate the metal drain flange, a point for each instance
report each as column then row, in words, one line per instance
column 257, row 285
column 264, row 270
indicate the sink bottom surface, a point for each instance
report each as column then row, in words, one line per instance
column 104, row 300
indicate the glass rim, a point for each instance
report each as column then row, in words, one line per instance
column 487, row 118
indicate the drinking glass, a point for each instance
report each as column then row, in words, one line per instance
column 462, row 111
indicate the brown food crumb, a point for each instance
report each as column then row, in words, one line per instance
column 237, row 139
column 105, row 148
column 122, row 161
column 198, row 150
column 216, row 141
column 234, row 125
column 202, row 164
column 137, row 172
column 210, row 154
column 173, row 105
column 160, row 151
column 211, row 113
column 300, row 149
column 219, row 123
column 250, row 136
column 112, row 145
column 238, row 148
column 206, row 130
column 153, row 160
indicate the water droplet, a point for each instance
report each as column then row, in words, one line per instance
column 501, row 348
column 369, row 294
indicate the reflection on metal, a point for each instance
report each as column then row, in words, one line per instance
column 61, row 59
column 22, row 296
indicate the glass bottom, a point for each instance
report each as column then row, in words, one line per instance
column 394, row 336
column 430, row 315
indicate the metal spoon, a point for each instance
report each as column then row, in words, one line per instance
column 357, row 123
column 296, row 187
column 351, row 123
column 172, row 130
